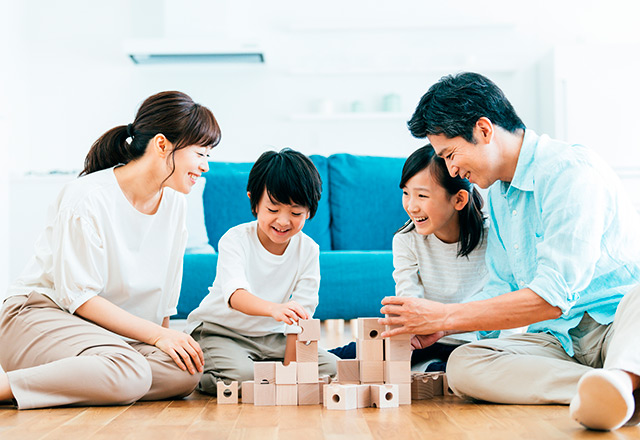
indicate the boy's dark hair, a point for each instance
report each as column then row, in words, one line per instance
column 471, row 216
column 453, row 105
column 289, row 177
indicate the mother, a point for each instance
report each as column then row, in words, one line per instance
column 108, row 266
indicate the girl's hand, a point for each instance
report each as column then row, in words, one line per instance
column 182, row 348
column 288, row 312
column 424, row 341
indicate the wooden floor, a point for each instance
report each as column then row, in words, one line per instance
column 199, row 417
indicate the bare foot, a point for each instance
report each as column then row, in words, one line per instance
column 5, row 389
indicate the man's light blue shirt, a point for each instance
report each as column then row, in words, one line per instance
column 565, row 229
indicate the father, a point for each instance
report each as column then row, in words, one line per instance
column 563, row 255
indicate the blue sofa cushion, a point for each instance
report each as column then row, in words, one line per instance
column 226, row 203
column 366, row 202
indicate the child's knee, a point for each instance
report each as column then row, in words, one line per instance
column 327, row 363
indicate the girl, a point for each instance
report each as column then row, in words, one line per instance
column 110, row 263
column 439, row 253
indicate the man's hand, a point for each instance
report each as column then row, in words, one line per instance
column 416, row 316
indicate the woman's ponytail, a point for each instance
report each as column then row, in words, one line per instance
column 110, row 150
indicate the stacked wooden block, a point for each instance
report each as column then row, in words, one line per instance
column 380, row 376
column 295, row 384
column 426, row 385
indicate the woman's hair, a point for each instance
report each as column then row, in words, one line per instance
column 453, row 105
column 173, row 114
column 471, row 216
column 289, row 177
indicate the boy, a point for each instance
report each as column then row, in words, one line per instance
column 268, row 272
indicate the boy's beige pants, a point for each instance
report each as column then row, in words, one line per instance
column 533, row 368
column 54, row 358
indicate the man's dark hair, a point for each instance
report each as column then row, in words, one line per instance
column 453, row 105
column 289, row 177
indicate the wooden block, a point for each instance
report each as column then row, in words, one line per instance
column 397, row 372
column 404, row 393
column 308, row 393
column 264, row 394
column 341, row 396
column 227, row 394
column 310, row 330
column 264, row 372
column 325, row 391
column 371, row 371
column 364, row 396
column 247, row 391
column 286, row 374
column 348, row 371
column 308, row 372
column 307, row 351
column 322, row 381
column 384, row 396
column 397, row 349
column 426, row 385
column 286, row 394
column 445, row 387
column 370, row 350
column 368, row 328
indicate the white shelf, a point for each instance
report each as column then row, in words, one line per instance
column 363, row 116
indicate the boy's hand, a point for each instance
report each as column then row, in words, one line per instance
column 288, row 312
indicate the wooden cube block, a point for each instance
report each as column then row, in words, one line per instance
column 368, row 328
column 397, row 372
column 286, row 374
column 325, row 391
column 370, row 350
column 308, row 372
column 264, row 372
column 286, row 394
column 247, row 391
column 227, row 394
column 397, row 349
column 307, row 351
column 348, row 371
column 404, row 393
column 371, row 371
column 322, row 381
column 384, row 396
column 310, row 330
column 264, row 394
column 308, row 393
column 364, row 396
column 445, row 387
column 426, row 385
column 341, row 396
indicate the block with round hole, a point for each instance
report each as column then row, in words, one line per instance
column 227, row 394
column 342, row 397
column 368, row 328
column 384, row 396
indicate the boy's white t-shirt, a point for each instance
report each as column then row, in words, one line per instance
column 243, row 263
column 96, row 243
column 426, row 267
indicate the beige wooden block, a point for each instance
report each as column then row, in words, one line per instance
column 371, row 371
column 325, row 391
column 384, row 396
column 368, row 328
column 397, row 349
column 227, row 394
column 404, row 393
column 364, row 396
column 247, row 391
column 264, row 394
column 286, row 374
column 322, row 381
column 264, row 372
column 308, row 372
column 370, row 350
column 286, row 394
column 348, row 371
column 445, row 387
column 426, row 385
column 308, row 394
column 397, row 372
column 310, row 330
column 307, row 351
column 342, row 396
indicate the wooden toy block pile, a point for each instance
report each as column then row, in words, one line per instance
column 426, row 385
column 379, row 377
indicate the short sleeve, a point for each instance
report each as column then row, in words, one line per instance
column 230, row 272
column 405, row 267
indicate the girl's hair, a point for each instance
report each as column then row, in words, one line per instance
column 173, row 114
column 471, row 216
column 289, row 177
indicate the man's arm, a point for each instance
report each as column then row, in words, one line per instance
column 423, row 317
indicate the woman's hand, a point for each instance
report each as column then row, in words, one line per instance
column 182, row 348
column 288, row 312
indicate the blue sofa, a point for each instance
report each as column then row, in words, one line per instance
column 360, row 209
